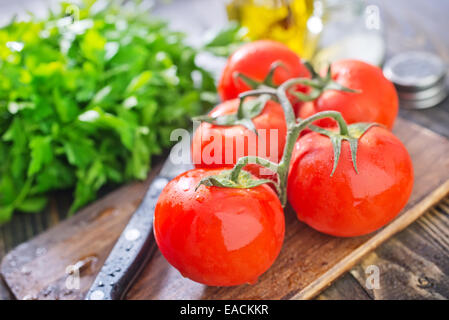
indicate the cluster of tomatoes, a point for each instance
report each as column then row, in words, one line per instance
column 225, row 233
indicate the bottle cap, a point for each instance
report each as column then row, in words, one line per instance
column 419, row 78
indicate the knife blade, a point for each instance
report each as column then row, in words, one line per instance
column 136, row 244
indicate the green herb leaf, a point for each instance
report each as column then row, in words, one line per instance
column 88, row 102
column 227, row 40
column 32, row 204
column 41, row 154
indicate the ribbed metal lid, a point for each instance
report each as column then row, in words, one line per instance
column 419, row 78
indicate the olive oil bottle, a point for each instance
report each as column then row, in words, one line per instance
column 281, row 20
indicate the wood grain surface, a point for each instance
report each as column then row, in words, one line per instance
column 413, row 265
column 309, row 261
column 411, row 25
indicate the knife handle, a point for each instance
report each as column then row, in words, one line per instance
column 131, row 252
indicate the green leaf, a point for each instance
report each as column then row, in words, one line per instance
column 227, row 40
column 65, row 108
column 41, row 154
column 8, row 190
column 80, row 153
column 93, row 46
column 5, row 213
column 101, row 95
column 32, row 204
column 140, row 154
column 89, row 181
column 90, row 102
column 56, row 175
column 139, row 81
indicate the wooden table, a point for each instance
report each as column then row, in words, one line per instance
column 415, row 263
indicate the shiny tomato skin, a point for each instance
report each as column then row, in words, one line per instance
column 254, row 60
column 377, row 100
column 232, row 146
column 350, row 204
column 218, row 236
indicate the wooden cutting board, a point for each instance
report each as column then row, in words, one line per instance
column 57, row 262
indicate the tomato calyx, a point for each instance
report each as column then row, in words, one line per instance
column 225, row 179
column 318, row 84
column 267, row 82
column 294, row 127
column 247, row 110
column 239, row 178
column 351, row 133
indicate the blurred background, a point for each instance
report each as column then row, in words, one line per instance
column 322, row 29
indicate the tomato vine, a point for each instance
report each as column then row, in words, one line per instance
column 351, row 133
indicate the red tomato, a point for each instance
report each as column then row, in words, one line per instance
column 377, row 100
column 216, row 146
column 254, row 61
column 350, row 204
column 218, row 236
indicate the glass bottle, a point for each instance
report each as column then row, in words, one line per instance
column 350, row 29
column 319, row 30
column 281, row 20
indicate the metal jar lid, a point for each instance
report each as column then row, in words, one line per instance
column 419, row 77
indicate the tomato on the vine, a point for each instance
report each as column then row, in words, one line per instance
column 375, row 101
column 218, row 236
column 215, row 146
column 254, row 61
column 348, row 203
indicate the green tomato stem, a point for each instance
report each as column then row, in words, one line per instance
column 294, row 128
column 268, row 81
column 242, row 162
column 250, row 93
column 292, row 136
column 293, row 131
column 285, row 102
column 258, row 92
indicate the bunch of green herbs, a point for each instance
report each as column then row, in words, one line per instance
column 87, row 97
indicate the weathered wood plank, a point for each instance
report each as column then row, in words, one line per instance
column 4, row 292
column 414, row 264
column 345, row 288
column 409, row 28
column 401, row 260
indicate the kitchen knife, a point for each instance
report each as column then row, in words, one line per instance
column 136, row 243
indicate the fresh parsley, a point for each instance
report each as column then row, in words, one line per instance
column 87, row 100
